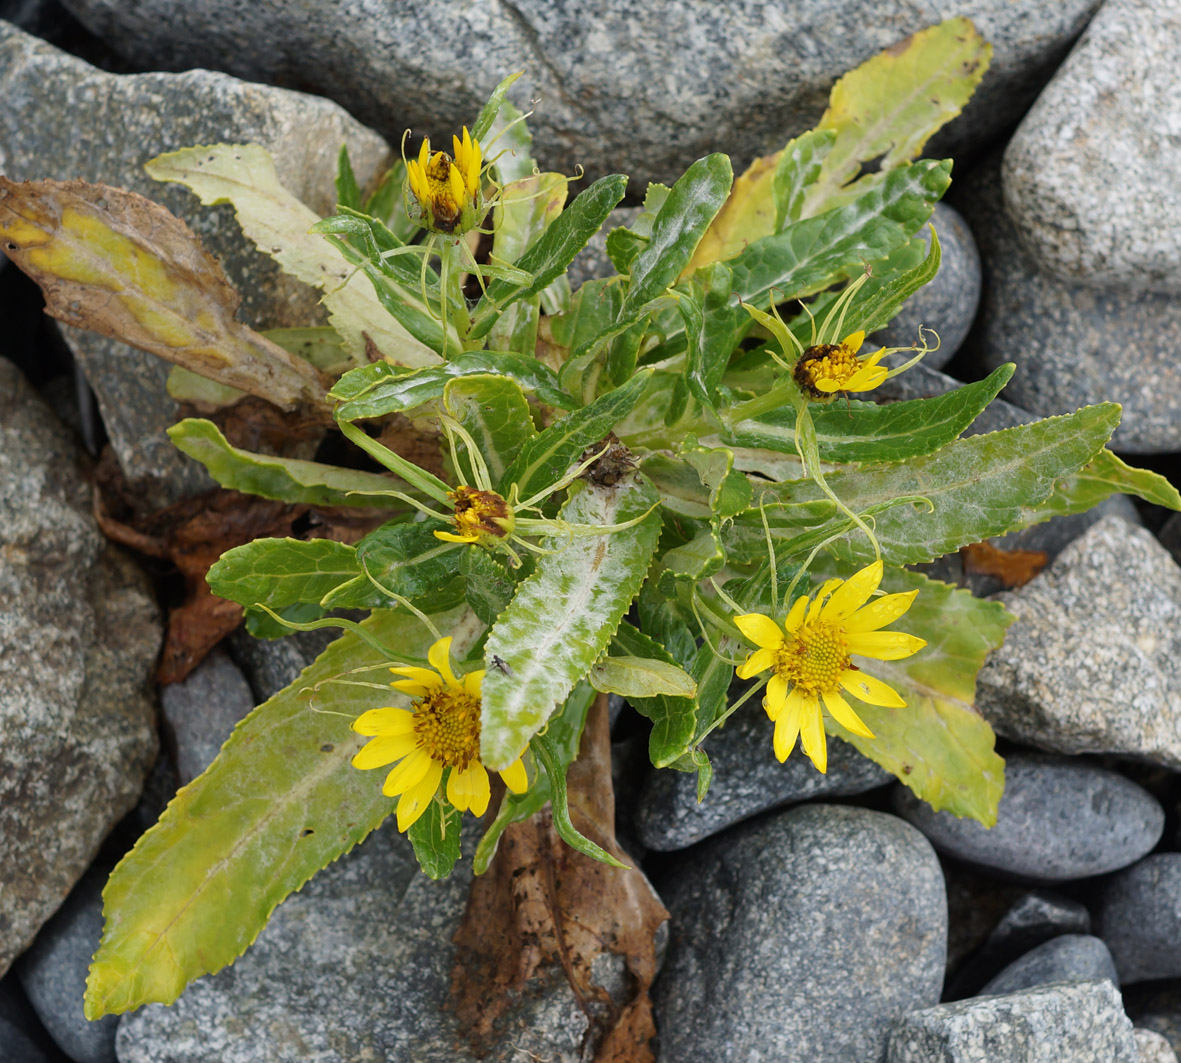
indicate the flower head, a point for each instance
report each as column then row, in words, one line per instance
column 479, row 515
column 440, row 731
column 826, row 368
column 446, row 188
column 810, row 659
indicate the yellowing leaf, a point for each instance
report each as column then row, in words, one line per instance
column 118, row 264
column 244, row 175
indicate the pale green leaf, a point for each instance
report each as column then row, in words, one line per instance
column 641, row 677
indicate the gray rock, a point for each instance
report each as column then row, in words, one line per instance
column 66, row 119
column 272, row 664
column 1139, row 916
column 803, row 936
column 200, row 712
column 53, row 973
column 1093, row 663
column 17, row 1047
column 79, row 633
column 1083, row 1022
column 1058, row 820
column 1069, row 958
column 1153, row 1047
column 1073, row 345
column 1156, row 1006
column 747, row 780
column 642, row 96
column 356, row 966
column 975, row 905
column 948, row 303
column 22, row 1038
column 1092, row 176
column 1034, row 918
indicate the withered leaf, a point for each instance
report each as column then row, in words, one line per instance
column 118, row 264
column 544, row 914
column 1014, row 568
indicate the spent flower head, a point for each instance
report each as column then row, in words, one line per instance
column 444, row 190
column 810, row 662
column 480, row 517
column 440, row 732
column 827, row 368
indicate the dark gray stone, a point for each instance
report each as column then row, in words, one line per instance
column 1093, row 663
column 1073, row 345
column 272, row 664
column 1156, row 1006
column 53, row 973
column 1083, row 1022
column 1139, row 916
column 617, row 93
column 802, row 936
column 79, row 633
column 747, row 780
column 948, row 303
column 17, row 1047
column 200, row 712
column 1058, row 820
column 1092, row 176
column 66, row 119
column 22, row 1038
column 1069, row 958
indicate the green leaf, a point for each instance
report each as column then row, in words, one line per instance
column 864, row 432
column 548, row 258
column 548, row 456
column 282, row 572
column 796, row 170
column 694, row 560
column 938, row 745
column 710, row 328
column 280, row 802
column 978, row 487
column 891, row 104
column 641, row 677
column 564, row 614
column 378, row 389
column 490, row 110
column 674, row 718
column 488, row 586
column 684, row 217
column 435, row 837
column 404, row 559
column 496, row 416
column 278, row 224
column 348, row 193
column 284, row 479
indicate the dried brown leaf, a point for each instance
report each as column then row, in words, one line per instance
column 1014, row 568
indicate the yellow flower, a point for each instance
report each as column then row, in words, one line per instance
column 810, row 658
column 446, row 188
column 440, row 730
column 478, row 515
column 826, row 368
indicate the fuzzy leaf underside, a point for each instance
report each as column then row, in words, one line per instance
column 280, row 802
column 563, row 615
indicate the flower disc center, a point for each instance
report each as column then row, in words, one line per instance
column 447, row 723
column 826, row 362
column 818, row 656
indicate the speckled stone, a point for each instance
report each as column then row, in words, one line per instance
column 79, row 633
column 948, row 303
column 1093, row 663
column 200, row 712
column 53, row 973
column 1083, row 1022
column 1092, row 176
column 747, row 780
column 644, row 96
column 1069, row 958
column 802, row 936
column 1153, row 1047
column 1058, row 820
column 64, row 118
column 1073, row 345
column 1139, row 916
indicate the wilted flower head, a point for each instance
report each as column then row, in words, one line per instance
column 444, row 188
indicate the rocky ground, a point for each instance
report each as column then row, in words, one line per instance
column 818, row 919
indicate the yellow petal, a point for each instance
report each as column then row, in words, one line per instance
column 389, row 721
column 418, row 675
column 440, row 657
column 424, row 153
column 871, row 690
column 451, row 537
column 458, row 188
column 795, row 616
column 761, row 630
column 880, row 612
column 866, row 379
column 775, row 700
column 827, row 385
column 515, row 777
column 409, row 772
column 759, row 661
column 885, row 645
column 468, row 789
column 385, row 750
column 413, row 802
column 852, row 343
column 868, row 361
column 812, row 736
column 817, row 606
column 473, row 681
column 841, row 711
column 787, row 729
column 852, row 594
column 413, row 687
